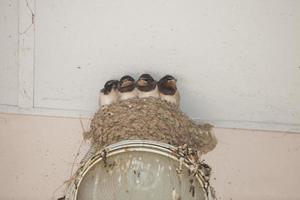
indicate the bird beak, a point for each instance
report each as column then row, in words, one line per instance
column 142, row 82
column 171, row 84
column 126, row 83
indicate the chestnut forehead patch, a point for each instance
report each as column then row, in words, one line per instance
column 127, row 88
column 146, row 77
column 127, row 78
column 147, row 87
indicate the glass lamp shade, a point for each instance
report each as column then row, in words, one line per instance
column 136, row 171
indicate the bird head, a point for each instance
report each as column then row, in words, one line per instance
column 167, row 85
column 146, row 82
column 126, row 84
column 109, row 85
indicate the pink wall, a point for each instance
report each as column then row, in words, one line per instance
column 36, row 156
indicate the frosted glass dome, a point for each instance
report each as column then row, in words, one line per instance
column 139, row 173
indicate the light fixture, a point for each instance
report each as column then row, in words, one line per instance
column 138, row 169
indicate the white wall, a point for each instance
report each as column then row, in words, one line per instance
column 238, row 62
column 9, row 52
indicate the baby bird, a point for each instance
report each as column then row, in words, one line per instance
column 109, row 94
column 168, row 89
column 127, row 88
column 147, row 87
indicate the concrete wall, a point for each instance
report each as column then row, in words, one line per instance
column 36, row 156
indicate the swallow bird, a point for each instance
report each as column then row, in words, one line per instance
column 127, row 88
column 147, row 87
column 109, row 94
column 168, row 90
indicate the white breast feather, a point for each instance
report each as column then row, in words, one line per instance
column 152, row 93
column 171, row 98
column 110, row 98
column 128, row 95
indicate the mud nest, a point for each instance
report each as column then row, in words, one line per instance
column 148, row 119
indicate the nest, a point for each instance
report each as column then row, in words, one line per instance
column 148, row 119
